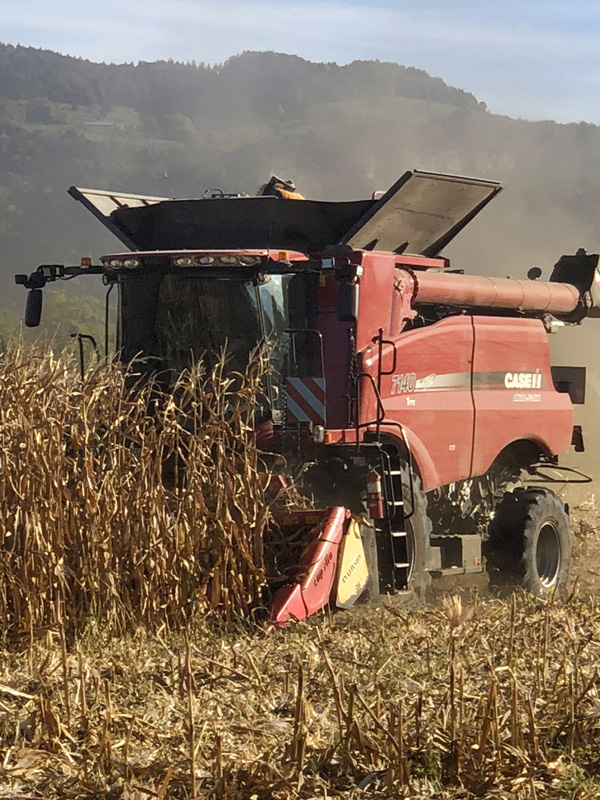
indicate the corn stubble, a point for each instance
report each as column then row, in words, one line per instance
column 469, row 699
column 499, row 702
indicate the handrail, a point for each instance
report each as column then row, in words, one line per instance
column 381, row 341
column 380, row 406
column 378, row 422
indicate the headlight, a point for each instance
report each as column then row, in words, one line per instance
column 183, row 261
column 115, row 262
column 205, row 260
column 229, row 260
column 131, row 263
column 249, row 261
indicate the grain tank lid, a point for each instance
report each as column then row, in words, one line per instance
column 235, row 223
column 421, row 213
column 142, row 222
column 102, row 203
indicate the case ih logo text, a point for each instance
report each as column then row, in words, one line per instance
column 523, row 380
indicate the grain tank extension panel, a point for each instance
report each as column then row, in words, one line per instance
column 419, row 214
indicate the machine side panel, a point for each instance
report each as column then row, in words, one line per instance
column 376, row 294
column 513, row 391
column 429, row 394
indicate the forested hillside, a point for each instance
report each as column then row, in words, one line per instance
column 341, row 132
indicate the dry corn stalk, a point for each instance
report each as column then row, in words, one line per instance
column 131, row 506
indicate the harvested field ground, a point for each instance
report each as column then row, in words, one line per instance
column 488, row 698
column 585, row 516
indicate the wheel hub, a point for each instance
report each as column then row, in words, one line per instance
column 548, row 555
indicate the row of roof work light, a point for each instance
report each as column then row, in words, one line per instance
column 118, row 263
column 224, row 260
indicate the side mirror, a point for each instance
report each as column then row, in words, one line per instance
column 33, row 308
column 347, row 307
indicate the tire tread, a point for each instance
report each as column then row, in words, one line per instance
column 511, row 547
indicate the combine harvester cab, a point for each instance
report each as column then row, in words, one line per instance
column 417, row 397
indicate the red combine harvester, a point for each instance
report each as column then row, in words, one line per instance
column 415, row 395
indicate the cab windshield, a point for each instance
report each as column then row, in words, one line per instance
column 172, row 320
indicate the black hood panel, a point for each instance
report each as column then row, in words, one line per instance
column 260, row 223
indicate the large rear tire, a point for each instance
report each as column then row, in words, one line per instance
column 530, row 543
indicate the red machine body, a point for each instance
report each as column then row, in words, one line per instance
column 462, row 388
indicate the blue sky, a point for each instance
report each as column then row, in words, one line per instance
column 531, row 59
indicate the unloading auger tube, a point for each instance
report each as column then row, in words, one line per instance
column 562, row 300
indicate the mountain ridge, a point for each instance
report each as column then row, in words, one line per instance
column 27, row 73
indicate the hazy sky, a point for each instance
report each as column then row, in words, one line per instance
column 529, row 58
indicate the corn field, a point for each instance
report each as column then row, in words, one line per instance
column 126, row 506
